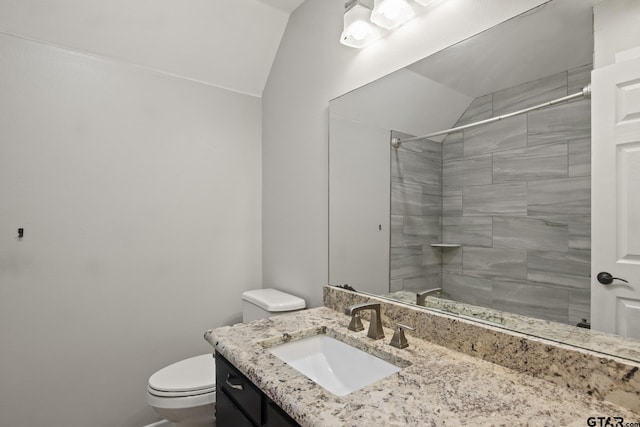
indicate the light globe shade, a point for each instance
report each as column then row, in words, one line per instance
column 390, row 14
column 358, row 31
column 427, row 2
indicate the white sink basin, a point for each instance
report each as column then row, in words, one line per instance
column 336, row 366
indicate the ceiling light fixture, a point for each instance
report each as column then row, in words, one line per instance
column 358, row 31
column 390, row 14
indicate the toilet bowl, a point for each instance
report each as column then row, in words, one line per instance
column 185, row 392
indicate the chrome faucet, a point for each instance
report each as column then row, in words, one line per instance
column 421, row 297
column 375, row 324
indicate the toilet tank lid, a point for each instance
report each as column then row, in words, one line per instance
column 273, row 300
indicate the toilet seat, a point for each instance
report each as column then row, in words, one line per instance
column 181, row 402
column 160, row 393
column 190, row 377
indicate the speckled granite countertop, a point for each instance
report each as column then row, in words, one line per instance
column 439, row 387
column 587, row 339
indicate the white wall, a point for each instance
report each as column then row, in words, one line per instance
column 230, row 44
column 616, row 29
column 311, row 68
column 359, row 205
column 403, row 101
column 140, row 198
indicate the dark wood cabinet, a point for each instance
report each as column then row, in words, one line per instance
column 228, row 414
column 240, row 403
column 276, row 417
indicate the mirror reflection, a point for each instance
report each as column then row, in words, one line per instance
column 490, row 221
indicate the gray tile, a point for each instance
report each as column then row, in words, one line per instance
column 531, row 300
column 531, row 163
column 422, row 147
column 560, row 123
column 495, row 263
column 569, row 196
column 579, row 78
column 396, row 166
column 421, row 230
column 468, row 231
column 580, row 232
column 452, row 260
column 411, row 167
column 467, row 171
column 452, row 146
column 480, row 108
column 432, row 259
column 452, row 201
column 530, row 233
column 530, row 94
column 501, row 135
column 423, row 282
column 396, row 285
column 495, row 199
column 579, row 305
column 406, row 199
column 564, row 269
column 397, row 225
column 470, row 290
column 406, row 262
column 431, row 200
column 580, row 157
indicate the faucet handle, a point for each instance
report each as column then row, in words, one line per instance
column 356, row 323
column 399, row 340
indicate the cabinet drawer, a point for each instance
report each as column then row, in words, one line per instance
column 242, row 392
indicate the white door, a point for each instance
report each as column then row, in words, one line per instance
column 615, row 112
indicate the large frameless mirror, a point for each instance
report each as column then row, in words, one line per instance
column 449, row 191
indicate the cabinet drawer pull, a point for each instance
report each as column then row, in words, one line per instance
column 234, row 386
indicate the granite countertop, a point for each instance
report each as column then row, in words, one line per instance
column 439, row 387
column 588, row 339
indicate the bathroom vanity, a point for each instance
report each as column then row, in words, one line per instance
column 435, row 384
column 240, row 403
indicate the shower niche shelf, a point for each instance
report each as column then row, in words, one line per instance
column 445, row 245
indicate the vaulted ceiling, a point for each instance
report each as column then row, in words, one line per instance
column 225, row 43
column 551, row 38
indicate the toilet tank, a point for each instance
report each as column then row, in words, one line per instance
column 262, row 303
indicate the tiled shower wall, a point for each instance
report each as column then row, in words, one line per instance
column 517, row 196
column 416, row 211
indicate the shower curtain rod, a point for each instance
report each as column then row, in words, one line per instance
column 586, row 93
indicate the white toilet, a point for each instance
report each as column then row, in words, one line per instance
column 185, row 392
